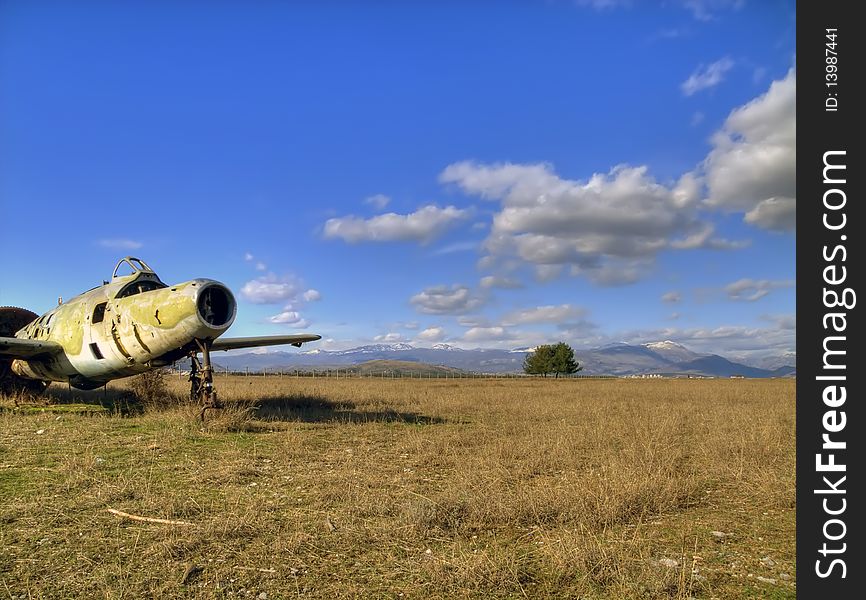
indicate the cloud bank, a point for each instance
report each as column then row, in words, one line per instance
column 751, row 168
column 423, row 226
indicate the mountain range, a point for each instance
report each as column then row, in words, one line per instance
column 622, row 359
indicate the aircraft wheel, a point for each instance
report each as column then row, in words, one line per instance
column 12, row 319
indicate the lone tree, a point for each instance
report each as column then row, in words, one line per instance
column 556, row 358
column 539, row 361
column 563, row 360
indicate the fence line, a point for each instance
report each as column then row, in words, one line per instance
column 384, row 374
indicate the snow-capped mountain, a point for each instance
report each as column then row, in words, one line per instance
column 525, row 349
column 375, row 349
column 671, row 351
column 447, row 347
column 774, row 362
column 616, row 359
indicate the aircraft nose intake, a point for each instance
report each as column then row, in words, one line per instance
column 216, row 305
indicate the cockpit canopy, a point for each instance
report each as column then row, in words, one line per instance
column 143, row 277
column 136, row 265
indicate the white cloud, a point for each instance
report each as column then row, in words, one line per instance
column 432, row 334
column 707, row 76
column 735, row 342
column 495, row 281
column 422, row 226
column 120, row 244
column 749, row 344
column 444, row 300
column 334, row 344
column 672, row 297
column 378, row 201
column 544, row 314
column 545, row 273
column 749, row 290
column 697, row 118
column 287, row 316
column 474, row 321
column 286, row 290
column 778, row 214
column 615, row 272
column 493, row 182
column 270, row 289
column 505, row 332
column 486, row 262
column 703, row 238
column 259, row 266
column 751, row 167
column 484, row 334
column 291, row 318
column 608, row 228
column 388, row 338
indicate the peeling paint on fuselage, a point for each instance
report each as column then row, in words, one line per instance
column 131, row 336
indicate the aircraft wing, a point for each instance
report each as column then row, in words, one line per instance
column 26, row 349
column 264, row 340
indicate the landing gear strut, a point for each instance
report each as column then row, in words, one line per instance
column 201, row 379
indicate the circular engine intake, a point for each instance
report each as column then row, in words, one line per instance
column 216, row 306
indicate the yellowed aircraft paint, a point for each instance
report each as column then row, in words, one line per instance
column 129, row 325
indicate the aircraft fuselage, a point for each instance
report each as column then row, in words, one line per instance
column 124, row 327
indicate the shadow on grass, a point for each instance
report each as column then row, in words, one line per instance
column 317, row 409
column 61, row 399
column 289, row 408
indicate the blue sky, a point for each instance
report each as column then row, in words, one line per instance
column 480, row 174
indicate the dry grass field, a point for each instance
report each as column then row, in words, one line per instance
column 366, row 488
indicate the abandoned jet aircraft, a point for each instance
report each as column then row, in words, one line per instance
column 129, row 325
